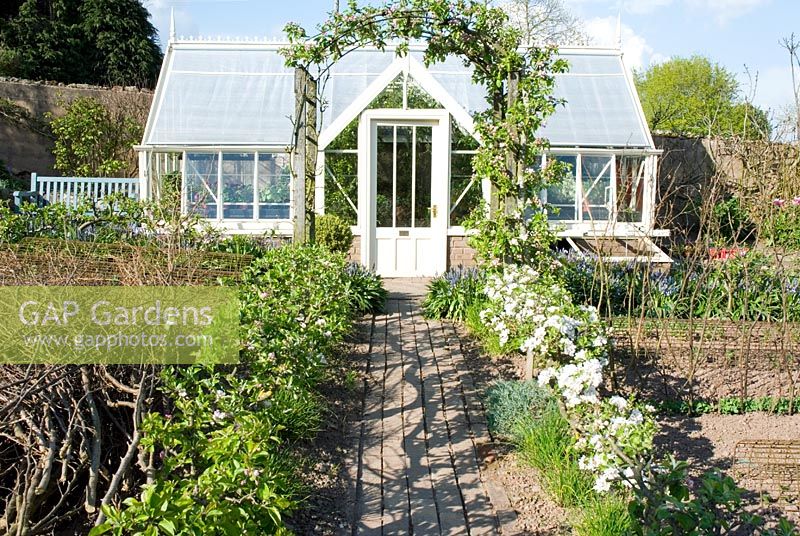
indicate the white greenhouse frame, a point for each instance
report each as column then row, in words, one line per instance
column 168, row 136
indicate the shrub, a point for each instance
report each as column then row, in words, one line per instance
column 365, row 289
column 781, row 227
column 732, row 220
column 511, row 405
column 451, row 294
column 94, row 141
column 333, row 233
column 547, row 444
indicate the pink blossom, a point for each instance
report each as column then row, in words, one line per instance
column 796, row 201
column 778, row 202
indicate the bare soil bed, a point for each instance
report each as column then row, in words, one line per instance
column 710, row 440
column 537, row 514
column 331, row 455
column 706, row 441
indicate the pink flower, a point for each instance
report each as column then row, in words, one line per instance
column 796, row 201
column 778, row 202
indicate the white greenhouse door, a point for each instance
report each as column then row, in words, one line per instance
column 407, row 227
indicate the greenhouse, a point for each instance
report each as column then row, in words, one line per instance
column 395, row 144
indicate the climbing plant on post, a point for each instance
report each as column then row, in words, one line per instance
column 518, row 80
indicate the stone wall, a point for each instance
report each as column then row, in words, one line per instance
column 25, row 149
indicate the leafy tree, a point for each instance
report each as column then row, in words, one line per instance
column 125, row 47
column 42, row 41
column 696, row 97
column 94, row 141
column 89, row 41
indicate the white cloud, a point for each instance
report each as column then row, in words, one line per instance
column 637, row 53
column 721, row 10
column 726, row 10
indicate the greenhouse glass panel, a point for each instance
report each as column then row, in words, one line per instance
column 465, row 190
column 201, row 183
column 274, row 178
column 630, row 188
column 232, row 96
column 562, row 196
column 238, row 176
column 341, row 185
column 596, row 187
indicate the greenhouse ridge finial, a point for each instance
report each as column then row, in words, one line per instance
column 172, row 24
column 619, row 30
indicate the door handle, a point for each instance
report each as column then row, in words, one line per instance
column 434, row 210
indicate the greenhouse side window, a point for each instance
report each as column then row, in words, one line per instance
column 251, row 186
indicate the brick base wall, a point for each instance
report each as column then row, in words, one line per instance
column 459, row 253
column 354, row 255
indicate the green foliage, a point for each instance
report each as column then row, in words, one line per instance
column 732, row 406
column 746, row 287
column 489, row 339
column 93, row 141
column 512, row 405
column 9, row 181
column 451, row 294
column 547, row 444
column 226, row 466
column 333, row 233
column 87, row 41
column 781, row 227
column 115, row 218
column 125, row 50
column 604, row 516
column 732, row 221
column 255, row 246
column 696, row 97
column 365, row 287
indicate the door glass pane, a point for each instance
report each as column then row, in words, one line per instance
column 201, row 184
column 630, row 188
column 274, row 179
column 385, row 177
column 403, row 167
column 238, row 174
column 596, row 183
column 562, row 196
column 422, row 189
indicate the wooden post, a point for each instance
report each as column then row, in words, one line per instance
column 311, row 154
column 305, row 151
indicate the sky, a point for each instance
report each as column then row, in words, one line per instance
column 742, row 35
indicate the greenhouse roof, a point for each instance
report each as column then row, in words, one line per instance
column 241, row 94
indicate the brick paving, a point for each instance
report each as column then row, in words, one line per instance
column 418, row 469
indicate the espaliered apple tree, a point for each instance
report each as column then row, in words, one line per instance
column 518, row 79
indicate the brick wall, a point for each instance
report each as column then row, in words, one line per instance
column 458, row 252
column 354, row 254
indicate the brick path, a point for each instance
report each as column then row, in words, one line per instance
column 418, row 469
